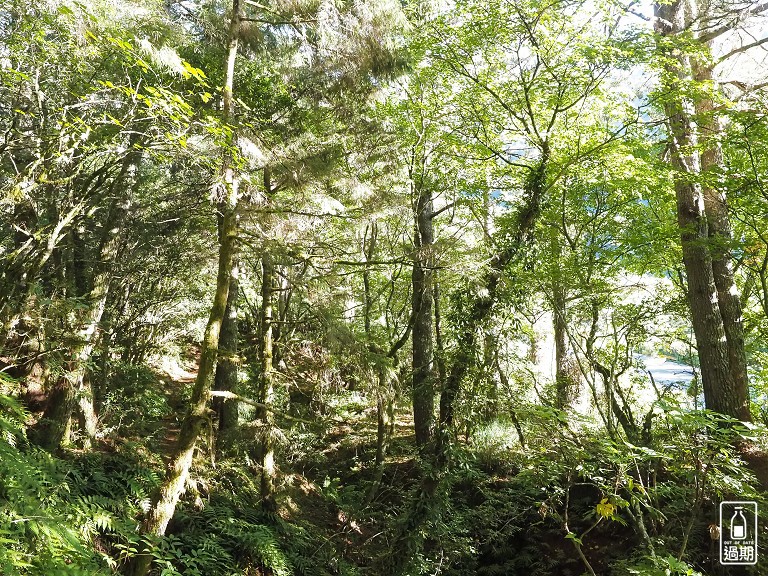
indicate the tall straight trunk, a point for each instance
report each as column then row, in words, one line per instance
column 166, row 498
column 267, row 385
column 563, row 381
column 719, row 336
column 423, row 389
column 227, row 367
column 478, row 311
column 720, row 237
column 562, row 377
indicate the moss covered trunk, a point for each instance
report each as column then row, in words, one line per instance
column 267, row 386
column 167, row 496
column 227, row 367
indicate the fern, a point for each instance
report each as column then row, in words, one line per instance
column 63, row 517
column 260, row 542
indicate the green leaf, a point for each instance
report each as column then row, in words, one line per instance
column 572, row 536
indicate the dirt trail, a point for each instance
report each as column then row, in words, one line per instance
column 176, row 378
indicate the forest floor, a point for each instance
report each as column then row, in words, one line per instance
column 499, row 511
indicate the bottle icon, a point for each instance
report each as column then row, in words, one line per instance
column 738, row 524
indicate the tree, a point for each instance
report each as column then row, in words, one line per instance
column 335, row 214
column 521, row 76
column 696, row 158
column 165, row 500
column 96, row 141
column 522, row 110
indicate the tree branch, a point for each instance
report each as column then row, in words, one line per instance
column 741, row 49
column 436, row 213
column 708, row 37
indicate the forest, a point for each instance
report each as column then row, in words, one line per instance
column 384, row 287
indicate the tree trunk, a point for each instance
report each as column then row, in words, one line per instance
column 23, row 272
column 423, row 357
column 165, row 499
column 384, row 389
column 490, row 408
column 267, row 385
column 283, row 309
column 720, row 238
column 108, row 254
column 482, row 303
column 512, row 413
column 719, row 337
column 227, row 368
column 479, row 309
column 563, row 380
column 439, row 347
column 384, row 422
column 52, row 431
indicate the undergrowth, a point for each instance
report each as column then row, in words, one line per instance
column 499, row 509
